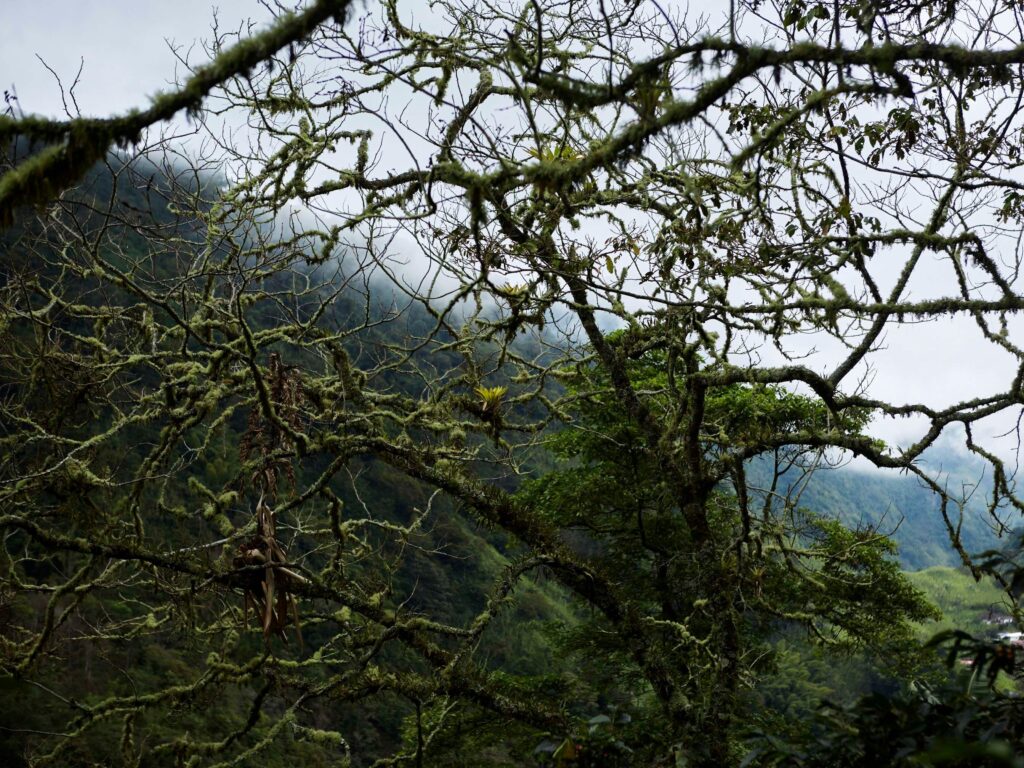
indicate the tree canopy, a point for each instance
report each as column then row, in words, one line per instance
column 538, row 276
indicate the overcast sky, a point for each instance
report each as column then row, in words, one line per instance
column 125, row 45
column 126, row 49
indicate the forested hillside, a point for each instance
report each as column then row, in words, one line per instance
column 446, row 569
column 901, row 507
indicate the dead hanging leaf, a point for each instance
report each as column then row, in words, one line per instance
column 265, row 439
column 268, row 584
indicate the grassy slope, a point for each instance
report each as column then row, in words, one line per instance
column 963, row 601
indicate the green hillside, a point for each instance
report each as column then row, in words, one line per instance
column 901, row 507
column 964, row 602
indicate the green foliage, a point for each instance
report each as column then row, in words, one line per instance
column 788, row 568
column 946, row 725
column 969, row 716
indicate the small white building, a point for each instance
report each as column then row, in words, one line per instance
column 997, row 618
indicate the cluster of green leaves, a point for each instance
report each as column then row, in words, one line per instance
column 788, row 568
column 950, row 724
